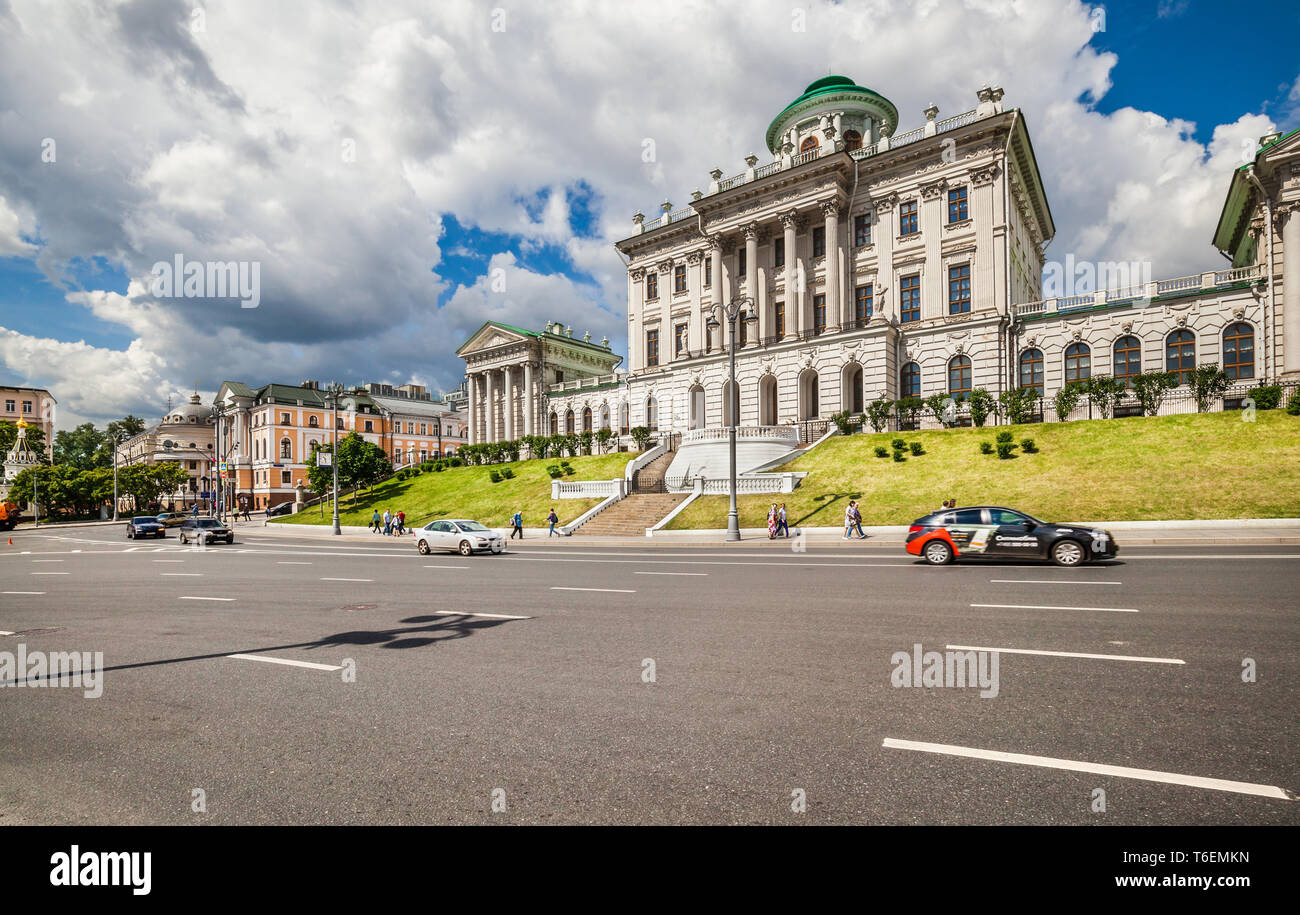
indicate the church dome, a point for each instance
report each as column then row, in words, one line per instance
column 860, row 110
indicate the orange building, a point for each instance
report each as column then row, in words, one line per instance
column 267, row 434
column 35, row 405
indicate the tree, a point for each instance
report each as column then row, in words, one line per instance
column 878, row 414
column 35, row 438
column 124, row 428
column 585, row 439
column 1207, row 382
column 83, row 448
column 604, row 435
column 1068, row 398
column 1104, row 392
column 641, row 436
column 1017, row 404
column 361, row 463
column 320, row 479
column 981, row 405
column 937, row 404
column 1150, row 388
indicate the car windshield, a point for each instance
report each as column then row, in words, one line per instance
column 145, row 519
column 208, row 522
column 473, row 526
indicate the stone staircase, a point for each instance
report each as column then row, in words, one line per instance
column 629, row 517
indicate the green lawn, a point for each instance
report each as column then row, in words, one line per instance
column 1193, row 466
column 468, row 492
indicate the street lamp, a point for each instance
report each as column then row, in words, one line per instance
column 115, row 441
column 332, row 401
column 733, row 311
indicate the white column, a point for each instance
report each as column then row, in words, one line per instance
column 793, row 301
column 1290, row 290
column 831, row 210
column 530, row 405
column 508, row 405
column 751, row 277
column 715, row 257
column 490, row 421
column 471, row 409
column 695, row 289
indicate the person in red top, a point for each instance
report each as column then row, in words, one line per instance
column 401, row 522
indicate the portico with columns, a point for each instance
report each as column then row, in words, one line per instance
column 510, row 369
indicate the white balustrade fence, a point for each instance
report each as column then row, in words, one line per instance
column 588, row 489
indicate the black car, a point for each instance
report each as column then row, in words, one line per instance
column 284, row 508
column 144, row 526
column 205, row 530
column 994, row 532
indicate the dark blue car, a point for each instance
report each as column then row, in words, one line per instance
column 144, row 526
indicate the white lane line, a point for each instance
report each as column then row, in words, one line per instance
column 47, row 560
column 1074, row 765
column 704, row 574
column 1048, row 581
column 5, row 631
column 1068, row 654
column 495, row 616
column 283, row 562
column 166, row 560
column 51, row 573
column 181, row 574
column 285, row 661
column 208, row 598
column 446, row 567
column 696, row 562
column 347, row 579
column 605, row 590
column 22, row 592
column 1048, row 607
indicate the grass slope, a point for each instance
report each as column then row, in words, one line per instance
column 468, row 492
column 1197, row 466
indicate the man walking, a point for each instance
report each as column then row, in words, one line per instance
column 517, row 522
column 857, row 521
column 388, row 523
column 783, row 525
column 375, row 521
column 552, row 519
column 401, row 523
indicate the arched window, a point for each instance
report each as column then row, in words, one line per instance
column 909, row 380
column 809, row 143
column 1239, row 351
column 1180, row 354
column 569, row 425
column 652, row 414
column 851, row 388
column 555, row 424
column 1127, row 360
column 695, row 402
column 1031, row 370
column 313, row 421
column 1078, row 362
column 959, row 375
column 852, row 140
column 810, row 399
column 622, row 418
column 767, row 400
column 286, row 448
column 586, row 419
column 604, row 416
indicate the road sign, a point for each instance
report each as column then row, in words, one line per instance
column 324, row 459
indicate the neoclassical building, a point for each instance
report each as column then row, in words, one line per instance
column 884, row 265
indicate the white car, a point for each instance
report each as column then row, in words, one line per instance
column 462, row 536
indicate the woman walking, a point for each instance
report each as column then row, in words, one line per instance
column 771, row 522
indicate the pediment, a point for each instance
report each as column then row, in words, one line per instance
column 490, row 336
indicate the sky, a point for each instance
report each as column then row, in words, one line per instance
column 397, row 172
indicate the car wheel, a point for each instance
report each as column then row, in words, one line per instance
column 424, row 547
column 465, row 548
column 130, row 534
column 937, row 553
column 182, row 538
column 230, row 539
column 1068, row 553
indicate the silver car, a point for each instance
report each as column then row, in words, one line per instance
column 462, row 536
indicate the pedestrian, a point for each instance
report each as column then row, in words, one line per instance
column 857, row 521
column 196, row 509
column 388, row 523
column 848, row 519
column 553, row 519
column 783, row 523
column 247, row 516
column 517, row 522
column 375, row 522
column 401, row 523
column 771, row 522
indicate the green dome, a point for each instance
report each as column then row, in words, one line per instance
column 825, row 89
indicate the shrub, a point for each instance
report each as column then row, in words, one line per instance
column 1104, row 392
column 569, row 471
column 986, row 447
column 1266, row 396
column 943, row 407
column 1067, row 399
column 908, row 408
column 456, row 462
column 438, row 468
column 898, row 444
column 1293, row 404
column 842, row 423
column 878, row 414
column 916, row 448
column 641, row 437
column 899, row 456
column 508, row 473
column 1027, row 446
column 494, row 476
column 1017, row 405
column 1207, row 382
column 1004, row 437
column 554, row 471
column 882, row 451
column 981, row 405
column 1006, row 450
column 1150, row 388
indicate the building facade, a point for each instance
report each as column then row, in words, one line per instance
column 267, row 434
column 185, row 436
column 878, row 265
column 36, row 406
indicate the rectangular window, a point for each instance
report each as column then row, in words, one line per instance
column 909, row 295
column 744, row 332
column 862, row 303
column 819, row 313
column 780, row 320
column 778, row 252
column 818, row 241
column 285, row 478
column 652, row 347
column 679, row 278
column 284, row 419
column 679, row 339
column 27, row 406
column 861, row 230
column 957, row 204
column 708, row 271
column 652, row 285
column 370, row 425
column 907, row 218
column 959, row 289
column 424, row 428
column 741, row 263
column 10, row 406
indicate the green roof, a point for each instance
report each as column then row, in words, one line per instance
column 834, row 85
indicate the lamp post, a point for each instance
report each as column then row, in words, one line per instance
column 332, row 398
column 733, row 311
column 115, row 443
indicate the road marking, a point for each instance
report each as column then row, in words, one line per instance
column 446, row 567
column 705, row 574
column 1047, row 607
column 719, row 562
column 181, row 574
column 285, row 661
column 347, row 579
column 495, row 616
column 47, row 560
column 284, row 562
column 1068, row 654
column 22, row 592
column 208, row 598
column 5, row 631
column 1074, row 765
column 1048, row 581
column 605, row 590
column 51, row 573
column 166, row 560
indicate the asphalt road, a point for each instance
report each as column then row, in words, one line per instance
column 771, row 676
